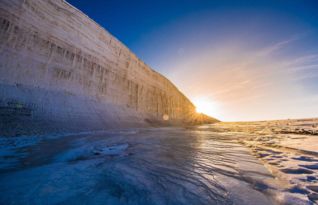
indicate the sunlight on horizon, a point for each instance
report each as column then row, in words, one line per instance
column 206, row 106
column 256, row 60
column 244, row 84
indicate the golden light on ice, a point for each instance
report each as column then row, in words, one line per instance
column 205, row 106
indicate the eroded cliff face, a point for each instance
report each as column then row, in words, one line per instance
column 60, row 71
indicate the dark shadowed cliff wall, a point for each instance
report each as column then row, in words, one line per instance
column 60, row 71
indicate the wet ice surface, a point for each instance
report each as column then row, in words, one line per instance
column 141, row 166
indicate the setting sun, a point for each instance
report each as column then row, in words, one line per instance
column 205, row 106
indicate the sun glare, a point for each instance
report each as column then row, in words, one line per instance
column 205, row 106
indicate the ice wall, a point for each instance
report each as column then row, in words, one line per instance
column 61, row 71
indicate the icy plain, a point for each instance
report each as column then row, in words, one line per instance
column 138, row 166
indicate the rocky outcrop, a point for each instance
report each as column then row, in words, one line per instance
column 60, row 71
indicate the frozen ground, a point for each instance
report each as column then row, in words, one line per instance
column 146, row 166
column 288, row 149
column 213, row 164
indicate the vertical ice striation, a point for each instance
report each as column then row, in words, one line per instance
column 60, row 71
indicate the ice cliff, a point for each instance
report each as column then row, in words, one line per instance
column 61, row 71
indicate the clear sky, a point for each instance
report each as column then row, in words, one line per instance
column 239, row 60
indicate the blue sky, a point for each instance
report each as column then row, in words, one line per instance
column 243, row 60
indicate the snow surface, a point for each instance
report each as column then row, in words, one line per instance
column 288, row 149
column 224, row 163
column 140, row 166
